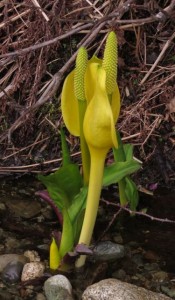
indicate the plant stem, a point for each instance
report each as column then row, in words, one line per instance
column 94, row 191
column 84, row 148
column 119, row 155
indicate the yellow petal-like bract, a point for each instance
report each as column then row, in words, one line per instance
column 82, row 84
column 55, row 258
column 99, row 127
column 91, row 77
column 69, row 105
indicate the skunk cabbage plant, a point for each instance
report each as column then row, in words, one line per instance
column 90, row 104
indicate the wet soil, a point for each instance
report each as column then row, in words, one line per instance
column 150, row 244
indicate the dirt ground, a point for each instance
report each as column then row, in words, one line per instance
column 38, row 49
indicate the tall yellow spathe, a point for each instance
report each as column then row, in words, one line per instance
column 99, row 123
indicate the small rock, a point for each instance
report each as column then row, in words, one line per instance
column 58, row 287
column 118, row 290
column 12, row 272
column 107, row 250
column 169, row 291
column 32, row 255
column 24, row 208
column 118, row 239
column 159, row 276
column 7, row 258
column 119, row 274
column 32, row 270
column 40, row 296
column 11, row 243
column 138, row 260
column 151, row 266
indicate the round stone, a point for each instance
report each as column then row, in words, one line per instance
column 118, row 290
column 107, row 250
column 32, row 270
column 5, row 259
column 58, row 287
column 12, row 272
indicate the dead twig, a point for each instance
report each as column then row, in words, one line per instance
column 160, row 57
column 139, row 213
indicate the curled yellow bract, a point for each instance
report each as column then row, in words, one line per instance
column 99, row 125
column 69, row 103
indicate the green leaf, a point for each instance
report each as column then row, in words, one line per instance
column 131, row 193
column 128, row 149
column 67, row 238
column 78, row 204
column 119, row 153
column 63, row 185
column 119, row 170
column 65, row 149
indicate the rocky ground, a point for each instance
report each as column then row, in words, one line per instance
column 144, row 256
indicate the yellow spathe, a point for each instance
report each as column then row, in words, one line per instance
column 69, row 103
column 55, row 257
column 99, row 124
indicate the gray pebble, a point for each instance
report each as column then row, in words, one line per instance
column 119, row 274
column 118, row 290
column 12, row 272
column 58, row 287
column 7, row 258
column 168, row 291
column 25, row 208
column 107, row 250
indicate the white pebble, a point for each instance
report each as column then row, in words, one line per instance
column 32, row 270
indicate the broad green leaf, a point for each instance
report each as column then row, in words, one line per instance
column 63, row 185
column 131, row 193
column 119, row 170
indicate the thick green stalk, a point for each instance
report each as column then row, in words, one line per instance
column 94, row 191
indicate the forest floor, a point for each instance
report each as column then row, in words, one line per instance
column 38, row 49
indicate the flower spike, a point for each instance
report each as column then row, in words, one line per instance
column 110, row 62
column 81, row 65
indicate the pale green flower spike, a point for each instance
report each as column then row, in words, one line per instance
column 81, row 65
column 110, row 62
column 79, row 91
